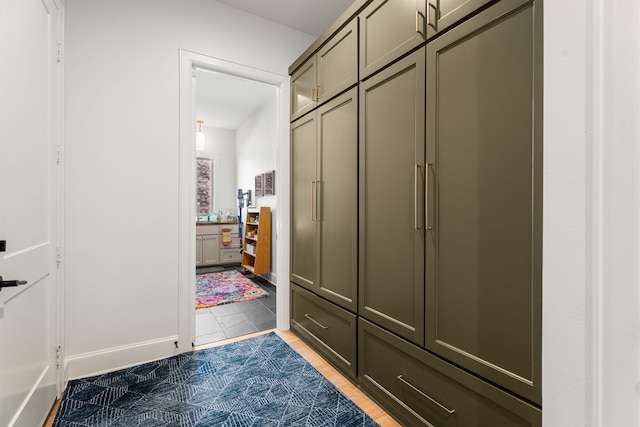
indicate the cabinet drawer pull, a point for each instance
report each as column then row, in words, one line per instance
column 315, row 321
column 450, row 411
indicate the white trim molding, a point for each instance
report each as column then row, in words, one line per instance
column 112, row 359
column 591, row 289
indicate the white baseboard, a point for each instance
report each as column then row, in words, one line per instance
column 112, row 359
column 271, row 278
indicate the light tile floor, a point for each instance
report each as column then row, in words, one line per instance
column 237, row 319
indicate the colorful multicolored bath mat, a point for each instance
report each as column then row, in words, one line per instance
column 225, row 287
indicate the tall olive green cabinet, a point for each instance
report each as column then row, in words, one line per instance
column 324, row 200
column 484, row 142
column 416, row 207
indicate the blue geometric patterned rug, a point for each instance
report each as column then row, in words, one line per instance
column 259, row 381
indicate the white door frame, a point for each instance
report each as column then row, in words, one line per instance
column 186, row 210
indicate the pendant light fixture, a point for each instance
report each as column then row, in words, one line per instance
column 199, row 136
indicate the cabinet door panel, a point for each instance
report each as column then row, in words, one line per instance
column 338, row 199
column 210, row 249
column 483, row 133
column 388, row 29
column 303, row 224
column 303, row 81
column 337, row 63
column 391, row 198
column 198, row 251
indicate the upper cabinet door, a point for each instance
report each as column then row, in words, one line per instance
column 388, row 30
column 332, row 70
column 392, row 218
column 337, row 63
column 484, row 142
column 303, row 88
column 442, row 14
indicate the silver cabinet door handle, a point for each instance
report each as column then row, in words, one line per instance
column 420, row 28
column 415, row 198
column 426, row 196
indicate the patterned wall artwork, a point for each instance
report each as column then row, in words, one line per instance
column 265, row 184
column 204, row 185
column 258, row 186
column 269, row 183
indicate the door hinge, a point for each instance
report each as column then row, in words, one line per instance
column 59, row 153
column 58, row 256
column 59, row 53
column 58, row 356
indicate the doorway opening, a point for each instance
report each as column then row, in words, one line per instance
column 238, row 138
column 244, row 159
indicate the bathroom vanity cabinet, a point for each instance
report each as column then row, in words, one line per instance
column 217, row 243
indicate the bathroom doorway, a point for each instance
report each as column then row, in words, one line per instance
column 243, row 136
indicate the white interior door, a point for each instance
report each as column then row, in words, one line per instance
column 29, row 132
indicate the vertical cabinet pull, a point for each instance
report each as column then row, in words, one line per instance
column 416, row 225
column 318, row 199
column 315, row 93
column 421, row 393
column 435, row 12
column 314, row 201
column 426, row 196
column 420, row 28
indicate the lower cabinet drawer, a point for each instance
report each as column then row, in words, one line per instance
column 423, row 390
column 229, row 256
column 207, row 229
column 331, row 330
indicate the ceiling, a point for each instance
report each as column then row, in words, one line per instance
column 224, row 101
column 307, row 16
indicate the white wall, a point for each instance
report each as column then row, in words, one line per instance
column 122, row 157
column 591, row 296
column 257, row 148
column 220, row 145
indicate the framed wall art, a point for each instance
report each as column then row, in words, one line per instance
column 259, row 189
column 204, row 185
column 269, row 183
